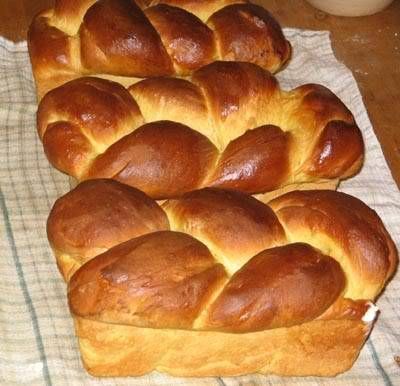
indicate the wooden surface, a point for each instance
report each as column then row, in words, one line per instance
column 369, row 46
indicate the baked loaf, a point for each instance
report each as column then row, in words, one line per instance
column 230, row 126
column 218, row 283
column 124, row 38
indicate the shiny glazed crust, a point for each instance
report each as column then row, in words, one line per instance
column 283, row 288
column 230, row 126
column 142, row 39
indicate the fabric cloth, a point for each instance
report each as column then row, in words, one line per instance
column 37, row 341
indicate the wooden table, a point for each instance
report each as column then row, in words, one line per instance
column 369, row 46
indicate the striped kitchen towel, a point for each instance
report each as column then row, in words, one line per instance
column 37, row 343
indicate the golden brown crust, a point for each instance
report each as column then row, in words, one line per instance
column 76, row 157
column 162, row 280
column 176, row 100
column 139, row 39
column 339, row 224
column 117, row 51
column 279, row 287
column 329, row 158
column 234, row 226
column 75, row 126
column 259, row 159
column 188, row 41
column 323, row 104
column 98, row 215
column 242, row 292
column 219, row 218
column 239, row 31
column 306, row 135
column 164, row 159
column 50, row 53
column 83, row 102
column 237, row 94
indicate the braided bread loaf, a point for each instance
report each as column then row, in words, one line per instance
column 124, row 38
column 218, row 283
column 176, row 135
